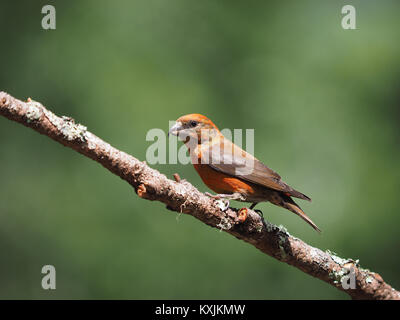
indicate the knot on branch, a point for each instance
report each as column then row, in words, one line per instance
column 142, row 191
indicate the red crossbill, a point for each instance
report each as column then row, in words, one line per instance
column 230, row 171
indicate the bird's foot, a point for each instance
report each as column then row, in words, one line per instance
column 259, row 212
column 223, row 199
column 223, row 204
column 214, row 196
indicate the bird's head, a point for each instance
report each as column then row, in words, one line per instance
column 194, row 126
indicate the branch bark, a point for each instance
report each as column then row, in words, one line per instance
column 181, row 196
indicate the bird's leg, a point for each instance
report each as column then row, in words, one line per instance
column 223, row 199
column 214, row 196
column 232, row 196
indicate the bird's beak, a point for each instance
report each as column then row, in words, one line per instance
column 175, row 128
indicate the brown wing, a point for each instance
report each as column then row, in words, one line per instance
column 236, row 162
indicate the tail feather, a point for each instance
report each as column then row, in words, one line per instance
column 289, row 204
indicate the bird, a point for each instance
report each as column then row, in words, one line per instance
column 231, row 172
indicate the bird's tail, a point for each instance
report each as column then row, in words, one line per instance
column 289, row 204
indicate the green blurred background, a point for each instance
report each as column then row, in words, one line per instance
column 324, row 103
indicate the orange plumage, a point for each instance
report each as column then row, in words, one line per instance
column 232, row 172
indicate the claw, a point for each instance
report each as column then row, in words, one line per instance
column 259, row 212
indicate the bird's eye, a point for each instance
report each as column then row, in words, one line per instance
column 192, row 123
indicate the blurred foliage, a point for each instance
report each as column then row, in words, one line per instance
column 324, row 103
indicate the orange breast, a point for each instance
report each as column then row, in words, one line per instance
column 223, row 183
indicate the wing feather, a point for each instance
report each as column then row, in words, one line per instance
column 234, row 161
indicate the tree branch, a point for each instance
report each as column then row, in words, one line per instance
column 181, row 196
